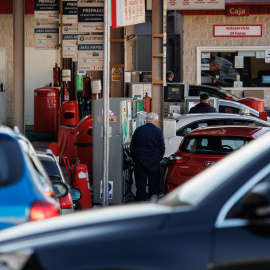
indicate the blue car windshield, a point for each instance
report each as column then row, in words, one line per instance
column 11, row 161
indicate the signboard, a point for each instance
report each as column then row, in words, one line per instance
column 90, row 52
column 258, row 2
column 46, row 9
column 127, row 12
column 237, row 30
column 117, row 73
column 237, row 11
column 46, row 35
column 191, row 4
column 69, row 41
column 91, row 16
column 69, row 11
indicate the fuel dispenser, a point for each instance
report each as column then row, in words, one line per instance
column 193, row 101
column 122, row 117
column 174, row 98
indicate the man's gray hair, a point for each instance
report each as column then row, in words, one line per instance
column 151, row 117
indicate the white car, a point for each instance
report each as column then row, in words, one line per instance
column 228, row 106
column 187, row 122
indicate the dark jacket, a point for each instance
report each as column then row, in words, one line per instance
column 203, row 108
column 147, row 143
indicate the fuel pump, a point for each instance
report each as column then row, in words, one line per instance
column 174, row 98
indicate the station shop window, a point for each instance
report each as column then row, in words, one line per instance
column 235, row 68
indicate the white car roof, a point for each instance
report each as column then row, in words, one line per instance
column 185, row 119
column 238, row 105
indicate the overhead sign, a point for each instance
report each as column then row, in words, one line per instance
column 237, row 30
column 237, row 10
column 127, row 12
column 191, row 4
column 46, row 9
column 258, row 2
column 69, row 11
column 91, row 16
column 90, row 52
column 46, row 35
column 69, row 41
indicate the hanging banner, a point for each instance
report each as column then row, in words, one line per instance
column 69, row 11
column 127, row 12
column 90, row 52
column 191, row 4
column 91, row 16
column 46, row 9
column 69, row 42
column 46, row 35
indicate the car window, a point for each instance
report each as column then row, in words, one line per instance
column 228, row 109
column 236, row 210
column 11, row 162
column 212, row 145
column 246, row 122
column 203, row 123
column 185, row 130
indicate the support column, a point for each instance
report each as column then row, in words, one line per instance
column 158, row 72
column 18, row 65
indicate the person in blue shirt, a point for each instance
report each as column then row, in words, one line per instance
column 147, row 149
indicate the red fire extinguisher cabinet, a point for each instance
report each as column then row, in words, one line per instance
column 255, row 103
column 46, row 106
column 84, row 142
column 68, row 114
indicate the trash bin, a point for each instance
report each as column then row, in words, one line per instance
column 84, row 142
column 68, row 114
column 46, row 106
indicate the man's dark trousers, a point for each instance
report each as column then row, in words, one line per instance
column 144, row 167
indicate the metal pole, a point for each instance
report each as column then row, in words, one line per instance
column 18, row 64
column 106, row 91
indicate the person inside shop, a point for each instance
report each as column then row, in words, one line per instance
column 169, row 76
column 147, row 149
column 214, row 72
column 204, row 105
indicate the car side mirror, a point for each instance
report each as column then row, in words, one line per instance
column 256, row 204
column 75, row 194
column 60, row 189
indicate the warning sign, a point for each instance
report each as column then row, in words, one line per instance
column 117, row 74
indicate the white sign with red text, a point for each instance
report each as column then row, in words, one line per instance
column 237, row 30
column 191, row 4
column 127, row 12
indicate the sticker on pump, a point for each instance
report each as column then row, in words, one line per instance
column 110, row 189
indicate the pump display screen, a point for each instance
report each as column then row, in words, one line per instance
column 265, row 79
column 174, row 93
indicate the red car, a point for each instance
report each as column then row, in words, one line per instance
column 205, row 146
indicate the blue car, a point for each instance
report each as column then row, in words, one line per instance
column 26, row 193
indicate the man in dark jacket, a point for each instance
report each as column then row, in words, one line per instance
column 147, row 149
column 204, row 106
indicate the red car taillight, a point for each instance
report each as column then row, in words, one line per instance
column 43, row 210
column 177, row 160
column 66, row 202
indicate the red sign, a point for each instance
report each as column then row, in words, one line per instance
column 237, row 10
